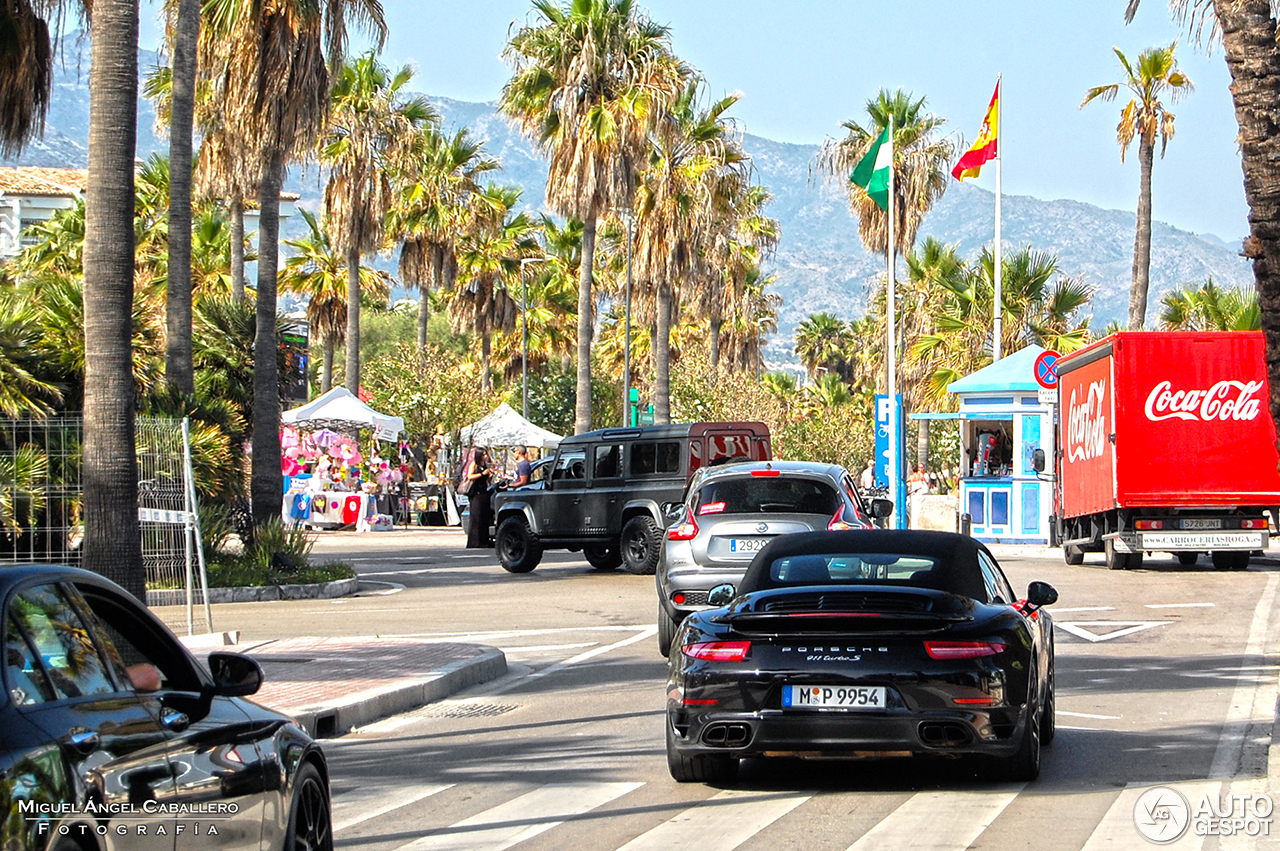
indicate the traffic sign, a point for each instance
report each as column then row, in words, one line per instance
column 1046, row 369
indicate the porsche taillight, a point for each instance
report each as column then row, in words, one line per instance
column 718, row 651
column 685, row 530
column 962, row 649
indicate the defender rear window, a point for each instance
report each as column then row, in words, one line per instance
column 776, row 495
column 648, row 459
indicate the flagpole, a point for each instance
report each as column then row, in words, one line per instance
column 998, row 305
column 891, row 313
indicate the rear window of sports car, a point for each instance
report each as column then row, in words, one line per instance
column 768, row 495
column 914, row 571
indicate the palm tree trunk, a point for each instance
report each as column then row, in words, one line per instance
column 435, row 256
column 113, row 538
column 266, row 483
column 1142, row 239
column 1253, row 58
column 662, row 357
column 486, row 348
column 326, row 365
column 922, row 444
column 582, row 403
column 237, row 250
column 353, row 322
column 716, row 324
column 424, row 316
column 178, row 369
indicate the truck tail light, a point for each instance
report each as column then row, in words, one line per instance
column 1148, row 524
column 718, row 651
column 1253, row 524
column 838, row 523
column 962, row 649
column 685, row 530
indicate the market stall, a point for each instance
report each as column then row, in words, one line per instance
column 329, row 483
column 504, row 427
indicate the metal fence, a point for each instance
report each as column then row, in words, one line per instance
column 41, row 498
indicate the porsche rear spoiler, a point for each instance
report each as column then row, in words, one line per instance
column 828, row 622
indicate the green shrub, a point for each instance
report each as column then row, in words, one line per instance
column 279, row 555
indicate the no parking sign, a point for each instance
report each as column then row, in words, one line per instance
column 1046, row 369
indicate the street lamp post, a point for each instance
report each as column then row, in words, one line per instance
column 626, row 362
column 524, row 337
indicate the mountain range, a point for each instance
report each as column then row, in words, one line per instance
column 820, row 263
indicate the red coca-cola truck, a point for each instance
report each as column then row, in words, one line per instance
column 1165, row 444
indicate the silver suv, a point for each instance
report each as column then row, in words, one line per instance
column 731, row 512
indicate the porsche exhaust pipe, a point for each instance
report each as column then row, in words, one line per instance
column 726, row 735
column 944, row 734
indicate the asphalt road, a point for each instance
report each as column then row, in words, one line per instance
column 1166, row 675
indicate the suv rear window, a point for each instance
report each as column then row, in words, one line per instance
column 767, row 495
column 648, row 459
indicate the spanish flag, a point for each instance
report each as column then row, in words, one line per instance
column 984, row 149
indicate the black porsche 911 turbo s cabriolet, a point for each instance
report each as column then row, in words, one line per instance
column 866, row 643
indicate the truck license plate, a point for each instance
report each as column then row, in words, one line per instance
column 833, row 697
column 1201, row 523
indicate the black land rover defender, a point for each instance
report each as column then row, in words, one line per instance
column 607, row 488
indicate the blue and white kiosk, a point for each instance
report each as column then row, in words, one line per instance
column 1002, row 422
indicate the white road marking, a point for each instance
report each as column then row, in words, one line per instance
column 1087, row 715
column 915, row 824
column 646, row 632
column 419, row 571
column 1084, row 629
column 1247, row 694
column 541, row 648
column 721, row 823
column 521, row 818
column 1058, row 611
column 472, row 555
column 1180, row 605
column 1117, row 828
column 517, row 633
column 370, row 801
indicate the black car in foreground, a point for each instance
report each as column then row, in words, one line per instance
column 113, row 736
column 866, row 643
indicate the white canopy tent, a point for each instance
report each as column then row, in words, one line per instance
column 505, row 427
column 339, row 409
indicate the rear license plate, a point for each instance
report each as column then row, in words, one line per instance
column 1201, row 523
column 833, row 697
column 747, row 545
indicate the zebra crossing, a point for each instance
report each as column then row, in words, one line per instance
column 724, row 820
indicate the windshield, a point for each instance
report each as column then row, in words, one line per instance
column 767, row 495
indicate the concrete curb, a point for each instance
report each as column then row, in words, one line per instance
column 261, row 593
column 333, row 718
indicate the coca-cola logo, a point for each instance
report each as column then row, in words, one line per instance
column 1087, row 423
column 1226, row 400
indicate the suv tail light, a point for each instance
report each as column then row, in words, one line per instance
column 962, row 649
column 685, row 530
column 838, row 523
column 718, row 651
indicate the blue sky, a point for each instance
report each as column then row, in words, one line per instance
column 803, row 66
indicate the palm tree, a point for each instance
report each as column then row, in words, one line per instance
column 823, row 342
column 26, row 72
column 1155, row 75
column 921, row 162
column 743, row 238
column 113, row 540
column 432, row 208
column 590, row 78
column 319, row 272
column 1209, row 308
column 750, row 319
column 25, row 389
column 270, row 65
column 371, row 126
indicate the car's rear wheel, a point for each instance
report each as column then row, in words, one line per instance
column 666, row 631
column 1231, row 560
column 704, row 768
column 641, row 545
column 1024, row 765
column 310, row 824
column 1188, row 559
column 1072, row 554
column 603, row 558
column 518, row 552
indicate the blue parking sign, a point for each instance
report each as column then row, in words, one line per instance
column 882, row 437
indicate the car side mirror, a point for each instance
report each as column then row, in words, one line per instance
column 235, row 675
column 881, row 508
column 672, row 510
column 1037, row 460
column 1041, row 594
column 720, row 595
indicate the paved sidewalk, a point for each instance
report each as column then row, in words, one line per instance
column 332, row 685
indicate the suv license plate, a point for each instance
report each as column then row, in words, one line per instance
column 747, row 545
column 833, row 697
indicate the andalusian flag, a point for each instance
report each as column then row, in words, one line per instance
column 984, row 150
column 872, row 171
